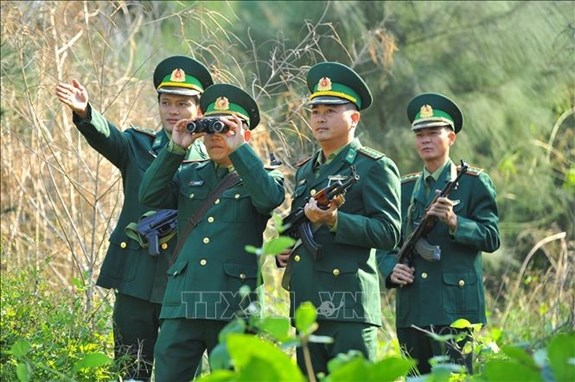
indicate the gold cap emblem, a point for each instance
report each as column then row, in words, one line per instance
column 178, row 75
column 426, row 111
column 222, row 103
column 324, row 84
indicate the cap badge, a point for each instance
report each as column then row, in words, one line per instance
column 178, row 75
column 426, row 111
column 222, row 103
column 324, row 84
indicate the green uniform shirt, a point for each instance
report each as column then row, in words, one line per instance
column 127, row 266
column 452, row 287
column 213, row 265
column 343, row 284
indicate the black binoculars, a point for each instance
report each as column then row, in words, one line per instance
column 208, row 125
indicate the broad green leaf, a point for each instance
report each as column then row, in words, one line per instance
column 305, row 317
column 390, row 369
column 342, row 359
column 20, row 348
column 92, row 360
column 23, row 372
column 278, row 328
column 461, row 323
column 236, row 326
column 258, row 369
column 354, row 370
column 499, row 370
column 519, row 355
column 277, row 245
column 561, row 353
column 220, row 357
column 243, row 348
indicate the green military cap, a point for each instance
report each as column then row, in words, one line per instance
column 433, row 109
column 332, row 83
column 226, row 99
column 181, row 75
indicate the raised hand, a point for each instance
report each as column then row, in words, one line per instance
column 75, row 96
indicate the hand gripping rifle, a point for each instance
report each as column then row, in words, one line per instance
column 157, row 226
column 416, row 242
column 297, row 224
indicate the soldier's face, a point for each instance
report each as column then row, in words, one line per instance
column 333, row 124
column 175, row 107
column 217, row 149
column 433, row 143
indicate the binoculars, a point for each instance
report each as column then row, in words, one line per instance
column 208, row 125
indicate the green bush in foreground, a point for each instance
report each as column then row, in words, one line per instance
column 48, row 335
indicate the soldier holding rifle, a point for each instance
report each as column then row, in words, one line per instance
column 443, row 282
column 343, row 282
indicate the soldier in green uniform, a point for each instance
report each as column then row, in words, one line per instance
column 138, row 278
column 435, row 293
column 343, row 282
column 202, row 295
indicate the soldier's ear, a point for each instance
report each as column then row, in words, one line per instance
column 355, row 117
column 247, row 135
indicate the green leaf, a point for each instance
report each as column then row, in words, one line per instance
column 391, row 368
column 23, row 372
column 499, row 370
column 258, row 369
column 278, row 328
column 461, row 323
column 243, row 348
column 236, row 326
column 519, row 355
column 220, row 357
column 252, row 249
column 277, row 245
column 561, row 353
column 354, row 370
column 92, row 360
column 20, row 348
column 305, row 317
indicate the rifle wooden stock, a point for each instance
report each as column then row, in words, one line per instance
column 407, row 252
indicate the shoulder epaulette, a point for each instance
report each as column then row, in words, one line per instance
column 143, row 130
column 303, row 162
column 473, row 171
column 410, row 177
column 372, row 153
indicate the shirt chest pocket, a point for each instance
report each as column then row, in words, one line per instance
column 236, row 206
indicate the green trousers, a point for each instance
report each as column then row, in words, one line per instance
column 421, row 347
column 180, row 347
column 136, row 324
column 347, row 336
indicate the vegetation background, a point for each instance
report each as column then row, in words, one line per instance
column 509, row 65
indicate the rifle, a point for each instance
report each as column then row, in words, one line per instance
column 416, row 242
column 157, row 226
column 297, row 224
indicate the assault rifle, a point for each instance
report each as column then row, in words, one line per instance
column 157, row 226
column 297, row 224
column 416, row 242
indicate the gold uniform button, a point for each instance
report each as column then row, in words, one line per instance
column 123, row 244
column 203, row 262
column 296, row 258
column 192, row 196
column 237, row 196
column 424, row 275
column 242, row 276
column 164, row 245
column 336, row 272
column 211, row 219
column 312, row 192
column 461, row 283
column 217, row 201
column 206, row 240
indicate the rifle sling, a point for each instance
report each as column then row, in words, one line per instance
column 195, row 219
